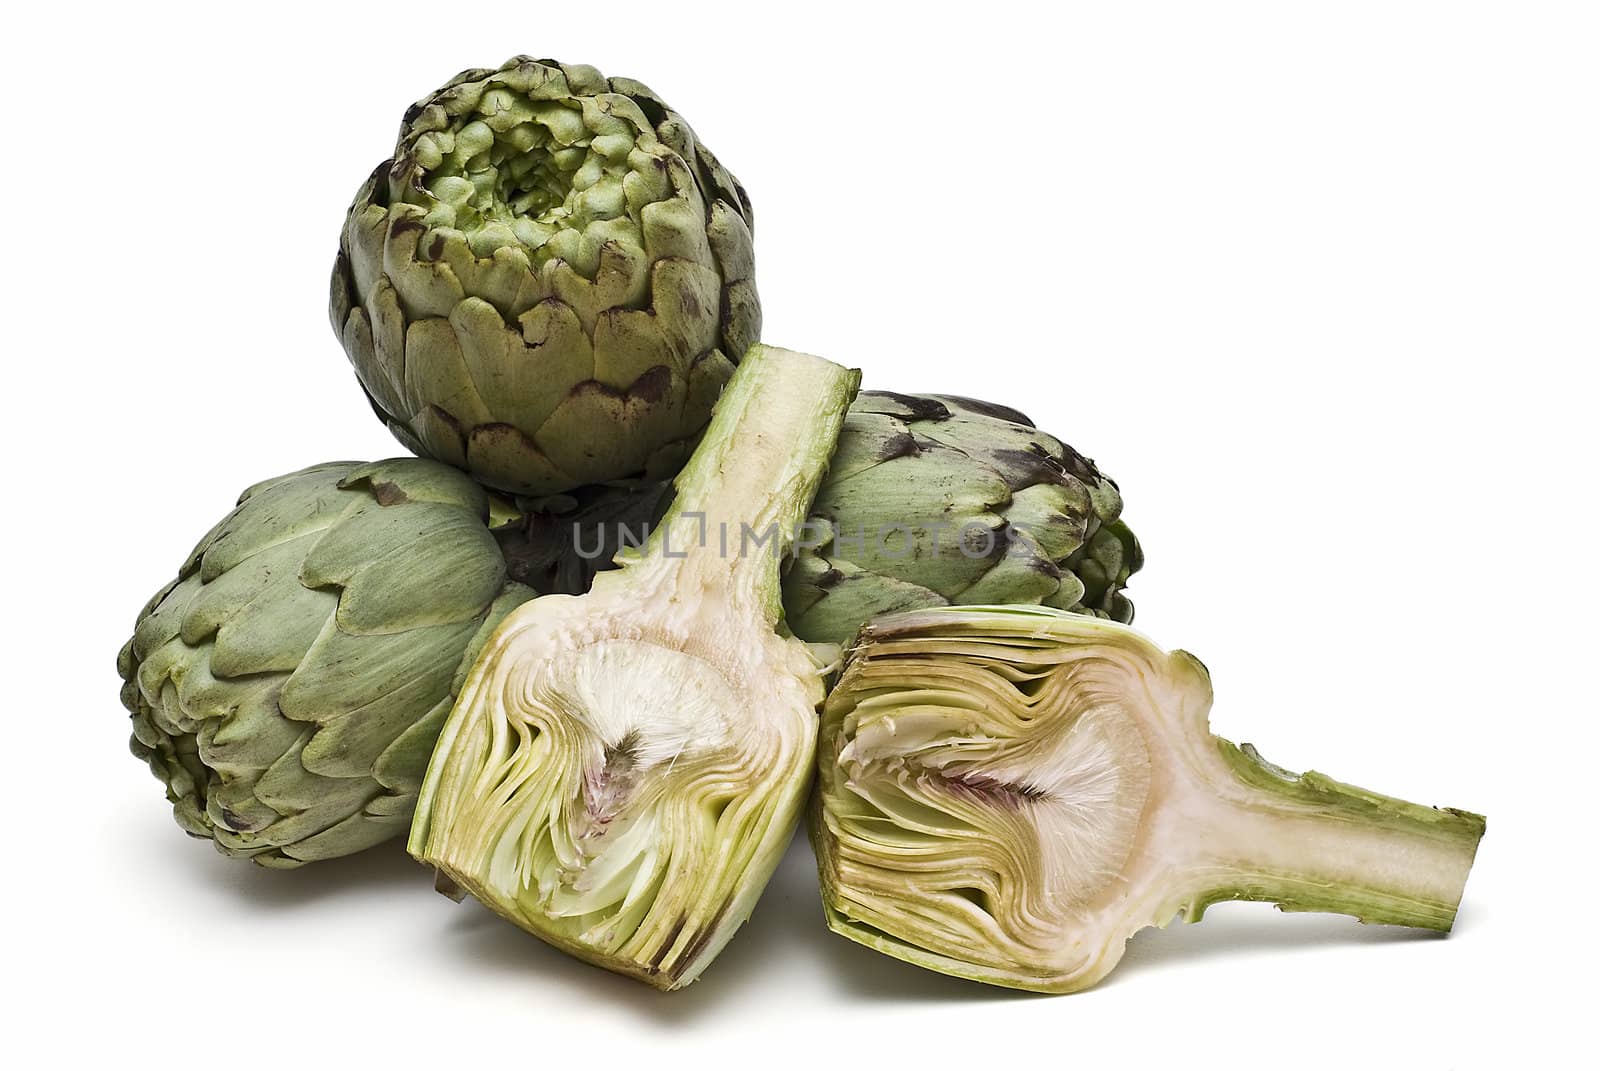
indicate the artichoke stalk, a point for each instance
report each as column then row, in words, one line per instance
column 549, row 282
column 1008, row 793
column 930, row 500
column 624, row 769
column 288, row 686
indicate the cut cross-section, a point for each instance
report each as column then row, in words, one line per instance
column 1009, row 793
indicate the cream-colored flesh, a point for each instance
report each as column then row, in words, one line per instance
column 618, row 745
column 1028, row 829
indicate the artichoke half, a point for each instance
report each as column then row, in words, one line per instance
column 1009, row 793
column 549, row 283
column 930, row 500
column 624, row 769
column 288, row 686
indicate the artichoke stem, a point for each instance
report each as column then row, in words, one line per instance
column 1310, row 843
column 759, row 448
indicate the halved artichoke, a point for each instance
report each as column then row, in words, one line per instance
column 288, row 686
column 1009, row 793
column 624, row 769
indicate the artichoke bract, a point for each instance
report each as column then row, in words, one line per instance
column 934, row 500
column 624, row 769
column 289, row 685
column 1008, row 793
column 930, row 500
column 549, row 283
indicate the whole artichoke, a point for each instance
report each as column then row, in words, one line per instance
column 289, row 685
column 934, row 500
column 550, row 281
column 930, row 500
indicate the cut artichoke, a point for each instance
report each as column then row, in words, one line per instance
column 1008, row 793
column 624, row 769
column 287, row 688
column 549, row 282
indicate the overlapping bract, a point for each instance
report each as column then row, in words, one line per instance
column 289, row 685
column 550, row 282
column 933, row 500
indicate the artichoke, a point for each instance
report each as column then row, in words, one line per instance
column 929, row 500
column 288, row 686
column 933, row 500
column 1009, row 793
column 624, row 769
column 549, row 283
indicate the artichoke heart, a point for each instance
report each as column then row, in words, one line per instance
column 288, row 686
column 1009, row 793
column 623, row 769
column 549, row 281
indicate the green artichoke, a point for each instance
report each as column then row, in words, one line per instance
column 933, row 500
column 930, row 500
column 289, row 685
column 550, row 282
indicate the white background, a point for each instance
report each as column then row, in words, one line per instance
column 1315, row 282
